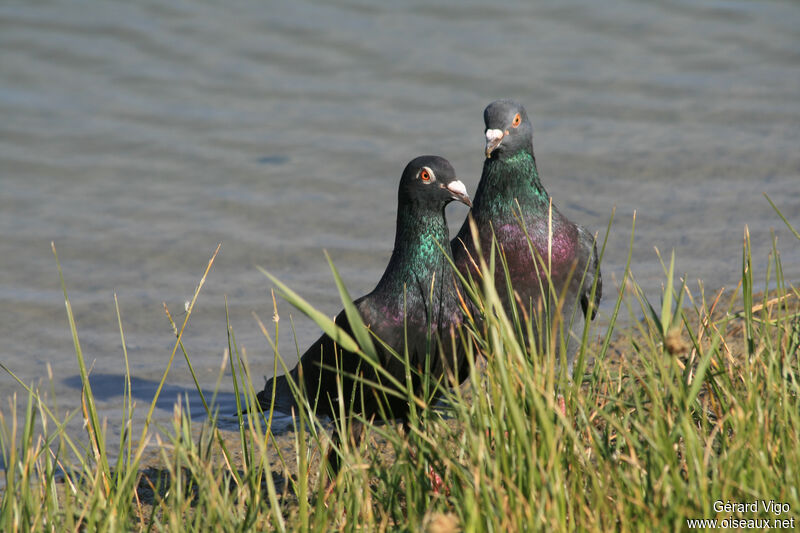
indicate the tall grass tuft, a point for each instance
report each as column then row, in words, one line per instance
column 694, row 400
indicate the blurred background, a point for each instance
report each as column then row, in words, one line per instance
column 139, row 135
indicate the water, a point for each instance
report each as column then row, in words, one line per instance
column 138, row 136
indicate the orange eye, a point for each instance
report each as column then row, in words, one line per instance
column 517, row 120
column 425, row 175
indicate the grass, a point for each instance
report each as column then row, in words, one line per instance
column 697, row 402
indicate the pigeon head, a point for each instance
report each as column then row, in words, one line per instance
column 429, row 182
column 508, row 129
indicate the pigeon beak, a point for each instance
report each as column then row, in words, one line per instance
column 459, row 192
column 493, row 139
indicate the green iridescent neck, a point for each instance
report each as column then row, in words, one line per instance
column 418, row 250
column 506, row 180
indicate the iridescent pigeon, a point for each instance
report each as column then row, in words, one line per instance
column 509, row 185
column 415, row 306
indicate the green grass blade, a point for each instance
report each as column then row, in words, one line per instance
column 327, row 325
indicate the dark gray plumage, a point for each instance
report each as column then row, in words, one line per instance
column 415, row 299
column 510, row 176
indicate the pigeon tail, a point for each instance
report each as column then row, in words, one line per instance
column 285, row 402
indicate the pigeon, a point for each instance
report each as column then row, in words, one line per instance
column 510, row 185
column 415, row 307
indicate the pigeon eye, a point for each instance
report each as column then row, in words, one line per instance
column 425, row 175
column 517, row 120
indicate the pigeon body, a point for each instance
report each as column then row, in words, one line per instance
column 510, row 185
column 415, row 299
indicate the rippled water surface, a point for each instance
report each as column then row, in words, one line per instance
column 139, row 135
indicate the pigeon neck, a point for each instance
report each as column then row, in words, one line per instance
column 417, row 255
column 509, row 180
